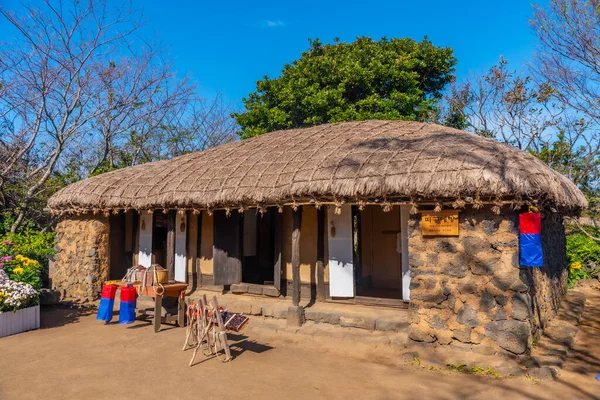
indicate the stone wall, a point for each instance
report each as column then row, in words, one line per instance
column 549, row 284
column 469, row 289
column 81, row 260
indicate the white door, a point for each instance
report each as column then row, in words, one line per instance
column 341, row 269
column 404, row 216
column 180, row 246
column 145, row 230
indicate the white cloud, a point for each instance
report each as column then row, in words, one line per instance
column 273, row 24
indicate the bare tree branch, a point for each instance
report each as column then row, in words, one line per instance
column 78, row 94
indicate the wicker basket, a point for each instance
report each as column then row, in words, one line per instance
column 152, row 272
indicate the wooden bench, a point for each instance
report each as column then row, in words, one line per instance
column 176, row 290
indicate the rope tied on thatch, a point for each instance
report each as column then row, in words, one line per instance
column 261, row 208
column 386, row 206
column 496, row 209
column 477, row 203
column 459, row 204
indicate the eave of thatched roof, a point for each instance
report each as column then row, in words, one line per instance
column 369, row 159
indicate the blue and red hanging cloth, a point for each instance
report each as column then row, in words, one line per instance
column 107, row 303
column 127, row 308
column 530, row 228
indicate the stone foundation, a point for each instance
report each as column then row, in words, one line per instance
column 81, row 261
column 469, row 290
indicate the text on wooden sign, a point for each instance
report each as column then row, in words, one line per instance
column 443, row 223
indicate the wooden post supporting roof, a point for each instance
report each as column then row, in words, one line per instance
column 196, row 267
column 321, row 254
column 170, row 256
column 277, row 219
column 296, row 223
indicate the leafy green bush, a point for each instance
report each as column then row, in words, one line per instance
column 23, row 269
column 31, row 244
column 583, row 254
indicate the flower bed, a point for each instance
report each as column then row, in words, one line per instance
column 20, row 284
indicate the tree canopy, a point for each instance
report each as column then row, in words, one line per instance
column 365, row 79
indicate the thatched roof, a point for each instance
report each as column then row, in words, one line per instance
column 351, row 160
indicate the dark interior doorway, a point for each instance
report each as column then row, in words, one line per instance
column 159, row 239
column 258, row 263
column 118, row 257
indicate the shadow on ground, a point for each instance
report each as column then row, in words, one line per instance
column 64, row 314
column 238, row 345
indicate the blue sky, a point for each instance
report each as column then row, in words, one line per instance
column 227, row 45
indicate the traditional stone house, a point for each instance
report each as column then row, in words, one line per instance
column 377, row 211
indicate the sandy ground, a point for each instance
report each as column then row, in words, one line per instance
column 74, row 356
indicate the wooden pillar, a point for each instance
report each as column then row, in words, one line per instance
column 191, row 242
column 277, row 221
column 196, row 267
column 170, row 256
column 321, row 254
column 135, row 232
column 296, row 224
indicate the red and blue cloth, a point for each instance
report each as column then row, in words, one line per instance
column 127, row 308
column 530, row 229
column 107, row 303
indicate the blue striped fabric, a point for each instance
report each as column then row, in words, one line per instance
column 127, row 312
column 531, row 250
column 105, row 310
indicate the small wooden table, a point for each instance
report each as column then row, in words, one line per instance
column 157, row 293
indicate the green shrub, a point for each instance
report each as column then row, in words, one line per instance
column 38, row 246
column 23, row 269
column 583, row 254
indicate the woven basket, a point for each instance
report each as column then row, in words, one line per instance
column 155, row 270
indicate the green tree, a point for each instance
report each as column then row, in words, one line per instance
column 365, row 79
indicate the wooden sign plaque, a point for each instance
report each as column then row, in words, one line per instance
column 443, row 223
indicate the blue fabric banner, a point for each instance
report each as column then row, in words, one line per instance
column 127, row 312
column 531, row 250
column 105, row 310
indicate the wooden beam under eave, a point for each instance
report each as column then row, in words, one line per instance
column 296, row 224
column 321, row 254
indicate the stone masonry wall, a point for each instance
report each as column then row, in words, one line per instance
column 81, row 260
column 549, row 284
column 469, row 289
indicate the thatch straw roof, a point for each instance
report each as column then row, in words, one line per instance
column 351, row 160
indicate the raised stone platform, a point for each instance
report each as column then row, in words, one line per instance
column 351, row 316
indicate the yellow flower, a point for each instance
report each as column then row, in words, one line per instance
column 27, row 262
column 3, row 296
column 18, row 270
column 575, row 266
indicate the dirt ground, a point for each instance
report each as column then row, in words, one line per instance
column 74, row 356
